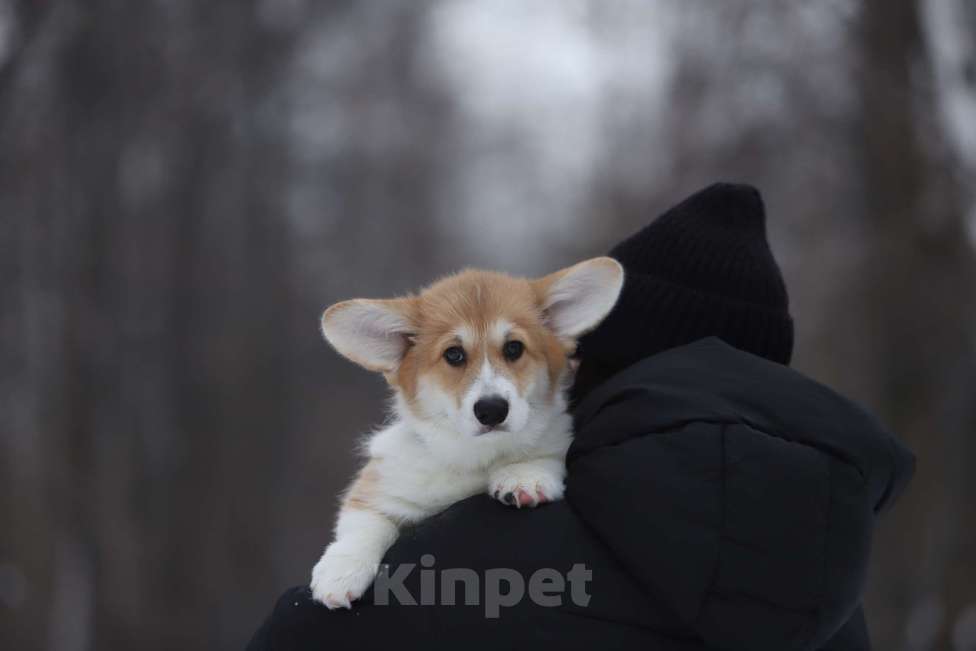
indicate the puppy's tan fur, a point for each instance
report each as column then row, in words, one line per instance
column 474, row 300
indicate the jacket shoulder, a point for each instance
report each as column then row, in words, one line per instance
column 711, row 382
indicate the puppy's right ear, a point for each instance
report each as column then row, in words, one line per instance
column 372, row 333
column 576, row 299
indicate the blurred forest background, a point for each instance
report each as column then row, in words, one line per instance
column 185, row 185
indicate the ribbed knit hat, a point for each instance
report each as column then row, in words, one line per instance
column 703, row 268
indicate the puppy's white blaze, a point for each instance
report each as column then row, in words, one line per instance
column 499, row 330
column 370, row 333
column 583, row 296
column 481, row 387
column 494, row 383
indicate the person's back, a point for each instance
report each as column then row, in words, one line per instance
column 715, row 499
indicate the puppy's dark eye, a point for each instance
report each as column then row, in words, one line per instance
column 513, row 350
column 454, row 356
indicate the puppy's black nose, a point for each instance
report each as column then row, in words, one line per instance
column 491, row 411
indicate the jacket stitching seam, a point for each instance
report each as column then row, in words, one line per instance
column 723, row 529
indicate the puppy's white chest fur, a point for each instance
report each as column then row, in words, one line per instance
column 415, row 482
column 419, row 472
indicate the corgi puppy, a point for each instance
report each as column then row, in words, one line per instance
column 479, row 367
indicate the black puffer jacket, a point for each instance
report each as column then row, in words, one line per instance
column 720, row 501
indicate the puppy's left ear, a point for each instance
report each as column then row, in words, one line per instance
column 372, row 333
column 576, row 299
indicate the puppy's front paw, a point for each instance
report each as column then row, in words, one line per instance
column 340, row 578
column 527, row 484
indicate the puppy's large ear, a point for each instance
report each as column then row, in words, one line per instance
column 578, row 298
column 372, row 333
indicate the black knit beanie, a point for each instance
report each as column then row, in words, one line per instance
column 703, row 268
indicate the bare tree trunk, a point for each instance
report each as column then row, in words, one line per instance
column 916, row 285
